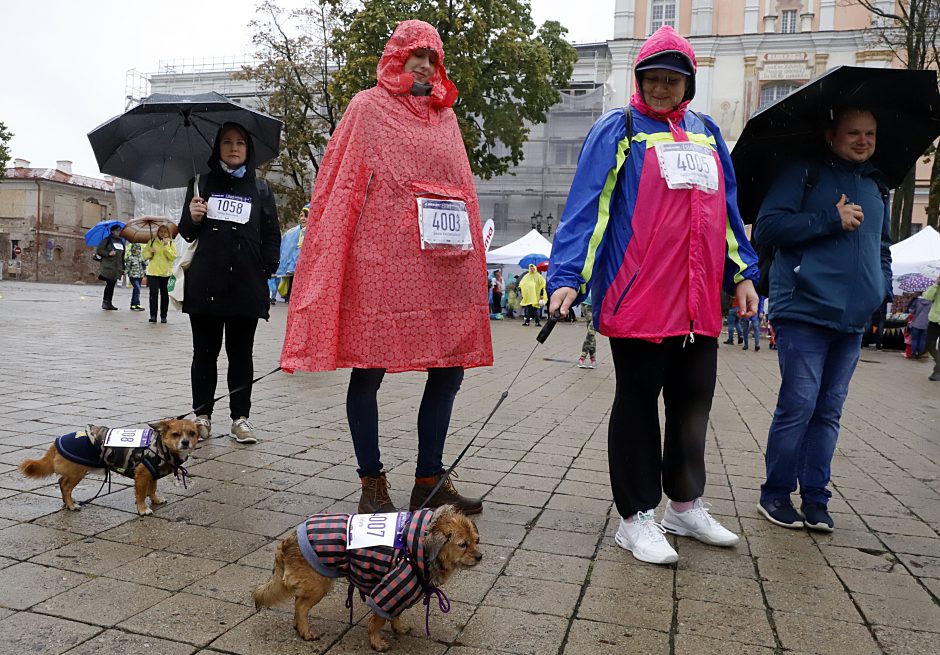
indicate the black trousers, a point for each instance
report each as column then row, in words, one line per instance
column 933, row 345
column 108, row 296
column 497, row 302
column 642, row 464
column 239, row 333
column 157, row 285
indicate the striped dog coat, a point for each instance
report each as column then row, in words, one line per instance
column 392, row 580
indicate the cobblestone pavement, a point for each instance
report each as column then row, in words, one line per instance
column 551, row 581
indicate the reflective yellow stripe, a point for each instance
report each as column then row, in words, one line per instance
column 666, row 137
column 603, row 211
column 732, row 242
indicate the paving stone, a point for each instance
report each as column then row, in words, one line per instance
column 566, row 503
column 199, row 618
column 593, row 638
column 25, row 540
column 786, row 570
column 824, row 636
column 852, row 558
column 91, row 520
column 653, row 612
column 900, row 526
column 357, row 641
column 26, row 584
column 515, row 631
column 90, row 556
column 533, row 595
column 515, row 514
column 125, row 643
column 633, row 576
column 558, row 541
column 30, row 506
column 917, row 612
column 898, row 584
column 124, row 599
column 895, row 641
column 547, row 566
column 729, row 590
column 733, row 623
column 571, row 521
column 26, row 632
column 211, row 542
column 499, row 534
column 920, row 565
column 232, row 583
column 196, row 511
column 832, row 603
column 170, row 571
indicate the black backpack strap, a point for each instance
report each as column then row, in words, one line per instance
column 628, row 122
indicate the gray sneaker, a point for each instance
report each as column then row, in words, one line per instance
column 242, row 431
column 204, row 425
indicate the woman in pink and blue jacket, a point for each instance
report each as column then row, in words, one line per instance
column 651, row 227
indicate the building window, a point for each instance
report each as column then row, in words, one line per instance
column 788, row 21
column 565, row 153
column 501, row 215
column 662, row 12
column 773, row 92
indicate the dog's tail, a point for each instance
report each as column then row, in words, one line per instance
column 40, row 468
column 274, row 592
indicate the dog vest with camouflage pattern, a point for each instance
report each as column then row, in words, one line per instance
column 78, row 447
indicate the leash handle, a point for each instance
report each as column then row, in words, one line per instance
column 548, row 327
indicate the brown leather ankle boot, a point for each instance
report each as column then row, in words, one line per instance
column 446, row 495
column 375, row 498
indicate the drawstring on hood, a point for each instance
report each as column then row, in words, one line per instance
column 667, row 49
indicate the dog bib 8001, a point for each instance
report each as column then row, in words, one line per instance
column 685, row 165
column 370, row 530
column 444, row 224
column 227, row 207
column 126, row 438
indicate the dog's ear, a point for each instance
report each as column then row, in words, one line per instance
column 160, row 426
column 97, row 433
column 435, row 542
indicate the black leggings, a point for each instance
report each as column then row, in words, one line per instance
column 157, row 284
column 641, row 467
column 362, row 412
column 239, row 333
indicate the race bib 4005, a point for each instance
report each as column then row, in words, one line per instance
column 227, row 207
column 685, row 165
column 444, row 224
column 370, row 530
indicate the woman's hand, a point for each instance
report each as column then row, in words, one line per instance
column 197, row 209
column 747, row 298
column 561, row 301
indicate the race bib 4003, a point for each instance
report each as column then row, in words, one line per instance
column 370, row 530
column 685, row 165
column 227, row 207
column 444, row 224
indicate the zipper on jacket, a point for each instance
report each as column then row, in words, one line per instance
column 690, row 337
column 626, row 291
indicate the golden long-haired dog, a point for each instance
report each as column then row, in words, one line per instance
column 74, row 455
column 434, row 543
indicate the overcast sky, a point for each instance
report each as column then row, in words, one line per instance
column 65, row 61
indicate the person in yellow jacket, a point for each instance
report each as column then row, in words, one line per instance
column 160, row 253
column 534, row 297
column 933, row 327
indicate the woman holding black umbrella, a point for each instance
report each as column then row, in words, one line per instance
column 234, row 218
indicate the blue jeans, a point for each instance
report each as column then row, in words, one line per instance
column 135, row 294
column 918, row 341
column 362, row 412
column 734, row 324
column 816, row 366
column 750, row 324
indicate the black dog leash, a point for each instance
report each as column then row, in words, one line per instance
column 540, row 339
column 195, row 411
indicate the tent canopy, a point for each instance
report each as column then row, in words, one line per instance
column 511, row 253
column 917, row 252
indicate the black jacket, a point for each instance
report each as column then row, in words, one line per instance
column 230, row 269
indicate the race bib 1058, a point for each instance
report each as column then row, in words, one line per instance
column 370, row 530
column 685, row 165
column 444, row 224
column 127, row 438
column 227, row 207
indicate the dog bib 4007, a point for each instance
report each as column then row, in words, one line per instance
column 370, row 530
column 227, row 207
column 126, row 438
column 685, row 165
column 444, row 224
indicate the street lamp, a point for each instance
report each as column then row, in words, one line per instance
column 536, row 222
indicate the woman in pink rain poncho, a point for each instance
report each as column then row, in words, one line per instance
column 394, row 251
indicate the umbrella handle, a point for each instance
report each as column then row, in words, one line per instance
column 196, row 186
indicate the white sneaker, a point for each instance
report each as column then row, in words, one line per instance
column 242, row 431
column 644, row 538
column 698, row 524
column 204, row 425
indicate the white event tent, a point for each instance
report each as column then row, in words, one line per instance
column 919, row 253
column 510, row 254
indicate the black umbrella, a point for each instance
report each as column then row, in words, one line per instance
column 167, row 139
column 905, row 103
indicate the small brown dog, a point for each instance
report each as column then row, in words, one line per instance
column 434, row 543
column 73, row 455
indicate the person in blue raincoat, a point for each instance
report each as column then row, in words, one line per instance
column 291, row 241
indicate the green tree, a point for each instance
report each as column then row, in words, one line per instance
column 910, row 30
column 294, row 54
column 507, row 71
column 5, row 136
